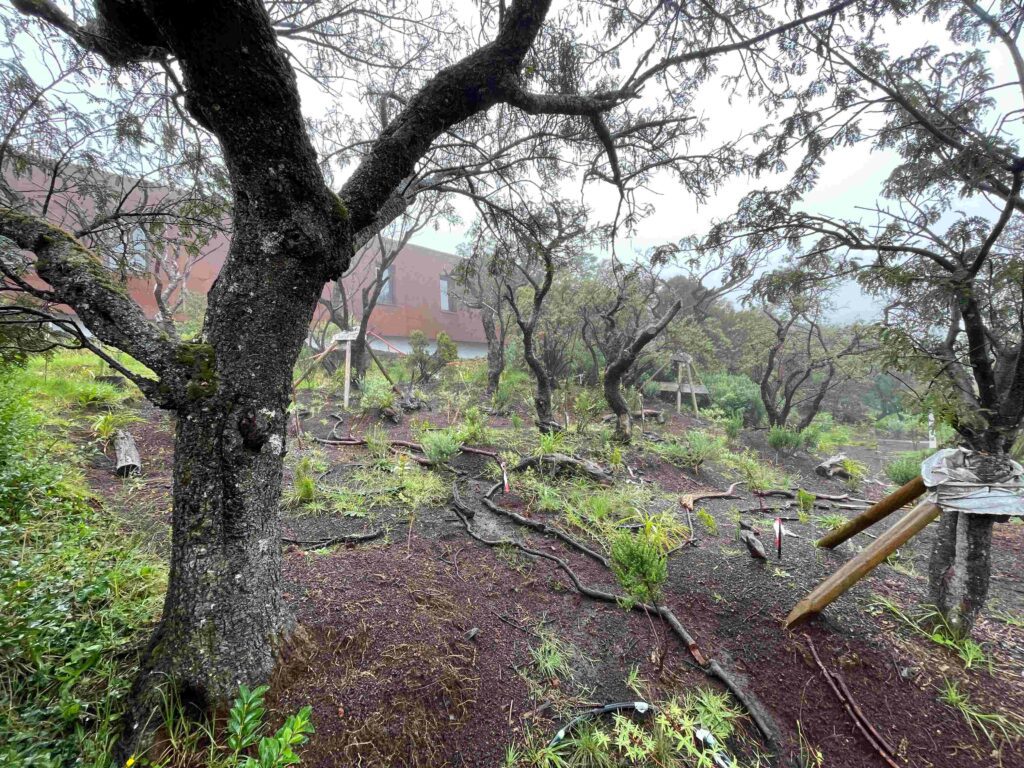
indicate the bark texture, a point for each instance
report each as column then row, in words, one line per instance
column 960, row 568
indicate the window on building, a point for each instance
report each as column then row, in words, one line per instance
column 449, row 302
column 135, row 253
column 387, row 291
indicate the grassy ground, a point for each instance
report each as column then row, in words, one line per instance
column 77, row 595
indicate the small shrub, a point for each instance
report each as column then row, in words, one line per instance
column 551, row 442
column 856, row 471
column 737, row 393
column 905, row 467
column 473, row 428
column 805, row 504
column 784, row 439
column 423, row 364
column 640, row 565
column 691, row 450
column 440, row 446
column 586, row 406
column 514, row 384
column 377, row 395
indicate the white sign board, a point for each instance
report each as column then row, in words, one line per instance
column 349, row 335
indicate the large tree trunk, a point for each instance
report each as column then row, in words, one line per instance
column 224, row 617
column 960, row 568
column 495, row 351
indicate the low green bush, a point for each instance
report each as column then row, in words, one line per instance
column 77, row 596
column 440, row 446
column 784, row 439
column 906, row 466
column 734, row 393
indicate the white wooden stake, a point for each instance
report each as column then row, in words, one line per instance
column 679, row 387
column 348, row 368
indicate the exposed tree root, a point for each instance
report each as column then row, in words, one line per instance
column 348, row 538
column 537, row 525
column 712, row 668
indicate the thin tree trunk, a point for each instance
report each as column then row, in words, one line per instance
column 542, row 394
column 618, row 404
column 495, row 351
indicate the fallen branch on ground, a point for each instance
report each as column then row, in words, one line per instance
column 348, row 538
column 712, row 668
column 646, row 413
column 687, row 501
column 561, row 460
column 834, row 681
column 542, row 527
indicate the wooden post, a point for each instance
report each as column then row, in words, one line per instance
column 348, row 369
column 679, row 387
column 880, row 509
column 689, row 377
column 863, row 563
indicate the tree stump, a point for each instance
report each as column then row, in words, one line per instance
column 127, row 455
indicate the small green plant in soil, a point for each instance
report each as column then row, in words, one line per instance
column 378, row 445
column 784, row 440
column 377, row 394
column 831, row 521
column 640, row 565
column 709, row 522
column 856, row 472
column 552, row 658
column 996, row 726
column 666, row 739
column 473, row 428
column 930, row 624
column 242, row 743
column 691, row 450
column 105, row 426
column 552, row 442
column 586, row 407
column 805, row 504
column 758, row 474
column 440, row 446
column 905, row 467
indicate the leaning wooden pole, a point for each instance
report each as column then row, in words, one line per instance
column 894, row 501
column 865, row 561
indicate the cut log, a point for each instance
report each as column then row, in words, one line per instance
column 127, row 460
column 834, row 466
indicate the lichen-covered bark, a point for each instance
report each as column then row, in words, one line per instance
column 960, row 568
column 495, row 351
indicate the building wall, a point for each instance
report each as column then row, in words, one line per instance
column 417, row 270
column 416, row 301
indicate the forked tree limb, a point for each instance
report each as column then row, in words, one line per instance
column 687, row 501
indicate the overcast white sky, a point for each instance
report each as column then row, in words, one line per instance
column 850, row 178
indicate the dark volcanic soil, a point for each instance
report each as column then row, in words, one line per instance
column 415, row 648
